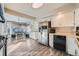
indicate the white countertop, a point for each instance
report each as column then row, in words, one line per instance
column 64, row 34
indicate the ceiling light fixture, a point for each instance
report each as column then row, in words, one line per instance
column 37, row 5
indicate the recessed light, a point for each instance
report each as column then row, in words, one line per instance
column 37, row 5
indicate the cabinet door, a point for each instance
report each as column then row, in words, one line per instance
column 70, row 45
column 65, row 19
column 55, row 22
column 77, row 17
column 68, row 19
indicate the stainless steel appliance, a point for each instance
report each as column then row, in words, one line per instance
column 44, row 35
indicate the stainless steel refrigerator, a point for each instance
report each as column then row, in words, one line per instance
column 43, row 35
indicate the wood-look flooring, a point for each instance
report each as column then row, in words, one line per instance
column 30, row 47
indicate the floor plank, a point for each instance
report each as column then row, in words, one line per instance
column 30, row 47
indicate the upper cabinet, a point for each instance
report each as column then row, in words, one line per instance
column 63, row 19
column 77, row 17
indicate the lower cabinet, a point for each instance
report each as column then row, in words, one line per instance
column 70, row 45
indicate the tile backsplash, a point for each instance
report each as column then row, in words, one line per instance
column 65, row 30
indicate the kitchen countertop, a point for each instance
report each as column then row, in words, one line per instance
column 69, row 35
column 63, row 34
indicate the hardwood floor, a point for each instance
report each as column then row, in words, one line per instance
column 30, row 47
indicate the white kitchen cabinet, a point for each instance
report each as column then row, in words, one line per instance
column 55, row 22
column 77, row 17
column 51, row 40
column 70, row 45
column 61, row 20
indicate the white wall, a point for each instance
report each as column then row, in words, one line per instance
column 34, row 26
column 13, row 18
column 10, row 17
column 44, row 19
column 34, row 29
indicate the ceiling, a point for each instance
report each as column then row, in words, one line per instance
column 26, row 8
